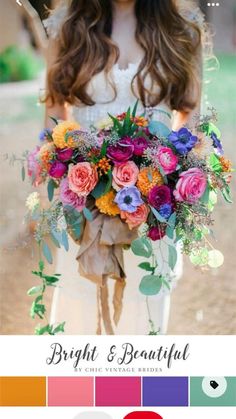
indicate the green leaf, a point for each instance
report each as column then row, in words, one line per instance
column 35, row 290
column 158, row 216
column 50, row 188
column 150, row 285
column 47, row 252
column 166, row 283
column 109, row 183
column 199, row 257
column 51, row 279
column 142, row 247
column 135, row 109
column 64, row 240
column 172, row 256
column 76, row 231
column 59, row 328
column 215, row 258
column 205, row 197
column 104, row 148
column 23, row 173
column 42, row 330
column 226, row 193
column 171, row 226
column 41, row 265
column 54, row 240
column 159, row 129
column 54, row 120
column 99, row 189
column 146, row 266
column 88, row 214
column 215, row 163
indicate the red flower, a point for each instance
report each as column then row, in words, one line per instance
column 156, row 233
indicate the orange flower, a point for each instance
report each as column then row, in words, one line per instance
column 147, row 178
column 46, row 154
column 61, row 130
column 106, row 204
column 82, row 178
column 103, row 165
column 226, row 164
column 140, row 121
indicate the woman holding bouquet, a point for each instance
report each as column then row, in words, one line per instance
column 103, row 56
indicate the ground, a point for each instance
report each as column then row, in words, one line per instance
column 203, row 303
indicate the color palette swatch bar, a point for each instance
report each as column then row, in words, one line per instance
column 118, row 391
column 165, row 391
column 22, row 391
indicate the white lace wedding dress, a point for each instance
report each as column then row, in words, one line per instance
column 75, row 300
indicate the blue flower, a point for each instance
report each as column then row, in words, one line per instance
column 217, row 143
column 182, row 140
column 128, row 199
column 165, row 211
column 44, row 134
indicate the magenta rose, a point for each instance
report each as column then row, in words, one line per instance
column 64, row 154
column 57, row 169
column 190, row 186
column 68, row 197
column 156, row 233
column 159, row 195
column 122, row 151
column 140, row 145
column 167, row 159
column 34, row 168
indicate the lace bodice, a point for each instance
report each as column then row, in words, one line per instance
column 103, row 95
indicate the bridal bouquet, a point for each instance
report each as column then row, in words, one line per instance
column 160, row 183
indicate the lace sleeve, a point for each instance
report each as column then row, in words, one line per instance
column 54, row 22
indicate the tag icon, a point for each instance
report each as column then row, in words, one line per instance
column 214, row 386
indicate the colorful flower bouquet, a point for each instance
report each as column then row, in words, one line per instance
column 160, row 183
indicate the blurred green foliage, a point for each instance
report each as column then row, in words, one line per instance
column 18, row 64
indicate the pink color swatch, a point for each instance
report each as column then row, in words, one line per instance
column 118, row 391
column 70, row 391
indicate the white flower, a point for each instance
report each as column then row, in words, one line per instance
column 32, row 201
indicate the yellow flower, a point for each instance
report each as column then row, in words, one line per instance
column 61, row 130
column 147, row 179
column 140, row 121
column 106, row 204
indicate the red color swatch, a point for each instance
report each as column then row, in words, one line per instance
column 70, row 391
column 143, row 415
column 118, row 391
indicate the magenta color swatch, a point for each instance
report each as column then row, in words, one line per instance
column 118, row 391
column 70, row 391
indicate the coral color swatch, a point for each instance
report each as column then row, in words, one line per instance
column 22, row 391
column 118, row 391
column 70, row 391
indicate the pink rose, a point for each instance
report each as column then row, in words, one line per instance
column 82, row 178
column 156, row 233
column 167, row 159
column 136, row 218
column 57, row 169
column 34, row 168
column 125, row 175
column 68, row 197
column 190, row 186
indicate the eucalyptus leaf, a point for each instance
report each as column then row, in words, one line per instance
column 200, row 257
column 205, row 197
column 158, row 215
column 50, row 188
column 150, row 285
column 55, row 241
column 215, row 258
column 142, row 247
column 47, row 252
column 64, row 240
column 159, row 129
column 99, row 189
column 172, row 256
column 88, row 215
column 146, row 266
column 23, row 173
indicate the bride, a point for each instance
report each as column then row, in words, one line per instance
column 103, row 55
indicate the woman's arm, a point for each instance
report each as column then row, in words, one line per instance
column 56, row 110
